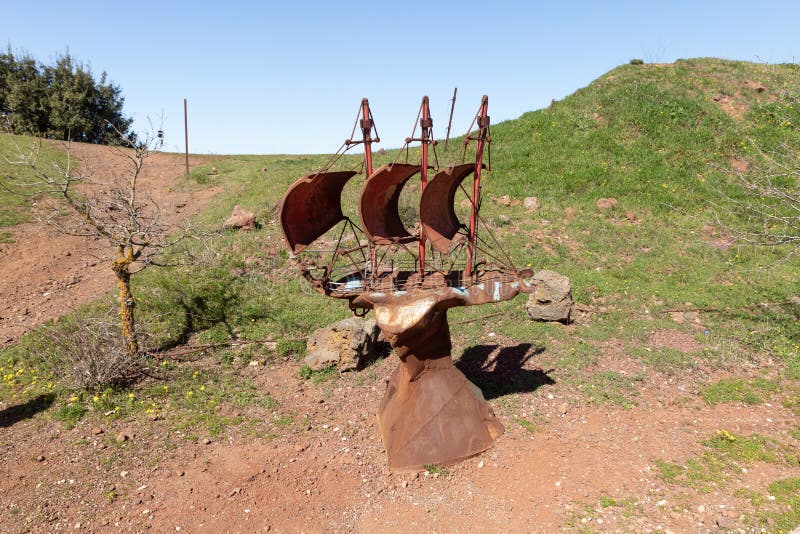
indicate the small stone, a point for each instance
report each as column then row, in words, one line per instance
column 207, row 441
column 563, row 408
column 404, row 484
column 234, row 491
column 481, row 464
column 504, row 200
column 631, row 216
column 605, row 203
column 662, row 502
column 532, row 203
column 40, row 458
column 123, row 474
column 569, row 213
column 97, row 431
column 121, row 437
column 240, row 219
column 503, row 219
column 701, row 509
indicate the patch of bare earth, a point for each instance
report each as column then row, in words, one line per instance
column 44, row 274
column 730, row 104
column 676, row 340
column 325, row 471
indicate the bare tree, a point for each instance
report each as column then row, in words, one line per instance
column 115, row 210
column 768, row 213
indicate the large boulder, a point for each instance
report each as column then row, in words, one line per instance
column 240, row 219
column 551, row 299
column 349, row 344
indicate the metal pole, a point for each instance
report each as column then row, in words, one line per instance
column 186, row 132
column 426, row 125
column 483, row 125
column 450, row 122
column 366, row 132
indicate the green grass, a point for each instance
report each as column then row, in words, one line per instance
column 435, row 469
column 527, row 424
column 724, row 456
column 611, row 387
column 730, row 390
column 739, row 390
column 318, row 377
column 70, row 414
column 14, row 201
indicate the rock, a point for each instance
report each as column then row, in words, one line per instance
column 532, row 203
column 606, row 203
column 349, row 344
column 240, row 219
column 481, row 464
column 504, row 200
column 206, row 441
column 569, row 213
column 97, row 431
column 503, row 219
column 40, row 458
column 631, row 216
column 551, row 299
column 122, row 437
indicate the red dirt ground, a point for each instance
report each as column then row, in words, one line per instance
column 328, row 473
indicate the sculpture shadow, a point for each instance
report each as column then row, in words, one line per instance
column 499, row 370
column 15, row 414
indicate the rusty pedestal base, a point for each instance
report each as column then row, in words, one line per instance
column 438, row 417
column 431, row 413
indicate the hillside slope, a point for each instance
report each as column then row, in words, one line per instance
column 672, row 403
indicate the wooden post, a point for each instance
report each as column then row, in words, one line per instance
column 186, row 132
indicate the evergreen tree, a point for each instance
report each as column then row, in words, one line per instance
column 62, row 101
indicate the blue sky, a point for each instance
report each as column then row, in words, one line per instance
column 287, row 77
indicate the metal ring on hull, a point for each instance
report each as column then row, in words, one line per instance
column 311, row 207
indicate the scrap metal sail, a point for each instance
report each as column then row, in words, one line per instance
column 437, row 213
column 311, row 207
column 378, row 204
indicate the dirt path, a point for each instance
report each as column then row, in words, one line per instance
column 43, row 273
column 581, row 468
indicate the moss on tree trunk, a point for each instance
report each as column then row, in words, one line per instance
column 127, row 322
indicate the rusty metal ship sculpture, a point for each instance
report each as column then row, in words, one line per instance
column 431, row 413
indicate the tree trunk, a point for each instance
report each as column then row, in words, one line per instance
column 121, row 267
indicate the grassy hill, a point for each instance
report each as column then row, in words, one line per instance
column 663, row 140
